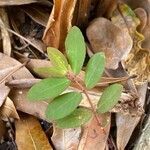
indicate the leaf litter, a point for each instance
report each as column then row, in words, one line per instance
column 122, row 35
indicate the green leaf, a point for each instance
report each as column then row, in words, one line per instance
column 48, row 89
column 79, row 117
column 75, row 49
column 94, row 69
column 58, row 59
column 50, row 71
column 63, row 105
column 109, row 98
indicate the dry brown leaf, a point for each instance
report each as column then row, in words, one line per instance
column 106, row 8
column 138, row 60
column 59, row 23
column 21, row 102
column 7, row 64
column 37, row 13
column 29, row 135
column 127, row 123
column 2, row 129
column 4, row 91
column 82, row 11
column 93, row 137
column 105, row 36
column 22, row 83
column 66, row 139
column 33, row 64
column 5, row 35
column 8, row 110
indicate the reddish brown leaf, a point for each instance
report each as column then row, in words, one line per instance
column 59, row 23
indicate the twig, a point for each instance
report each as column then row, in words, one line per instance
column 73, row 78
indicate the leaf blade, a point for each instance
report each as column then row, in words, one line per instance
column 75, row 48
column 57, row 59
column 79, row 117
column 50, row 71
column 57, row 108
column 48, row 88
column 94, row 70
column 109, row 98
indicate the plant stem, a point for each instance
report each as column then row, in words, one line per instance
column 73, row 78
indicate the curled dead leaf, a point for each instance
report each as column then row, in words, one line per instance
column 59, row 23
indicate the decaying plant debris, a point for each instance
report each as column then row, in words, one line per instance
column 119, row 28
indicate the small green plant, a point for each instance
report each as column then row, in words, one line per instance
column 64, row 109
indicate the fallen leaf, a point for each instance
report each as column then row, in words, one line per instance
column 93, row 137
column 21, row 102
column 4, row 91
column 59, row 23
column 29, row 134
column 41, row 63
column 8, row 64
column 66, row 139
column 138, row 60
column 110, row 39
column 8, row 110
column 37, row 13
column 127, row 123
column 22, row 83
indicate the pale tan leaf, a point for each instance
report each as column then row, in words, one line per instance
column 66, row 139
column 105, row 36
column 29, row 135
column 4, row 91
column 93, row 137
column 5, row 34
column 21, row 102
column 22, row 83
column 8, row 110
column 8, row 64
column 59, row 23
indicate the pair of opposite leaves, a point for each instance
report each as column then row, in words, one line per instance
column 63, row 109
